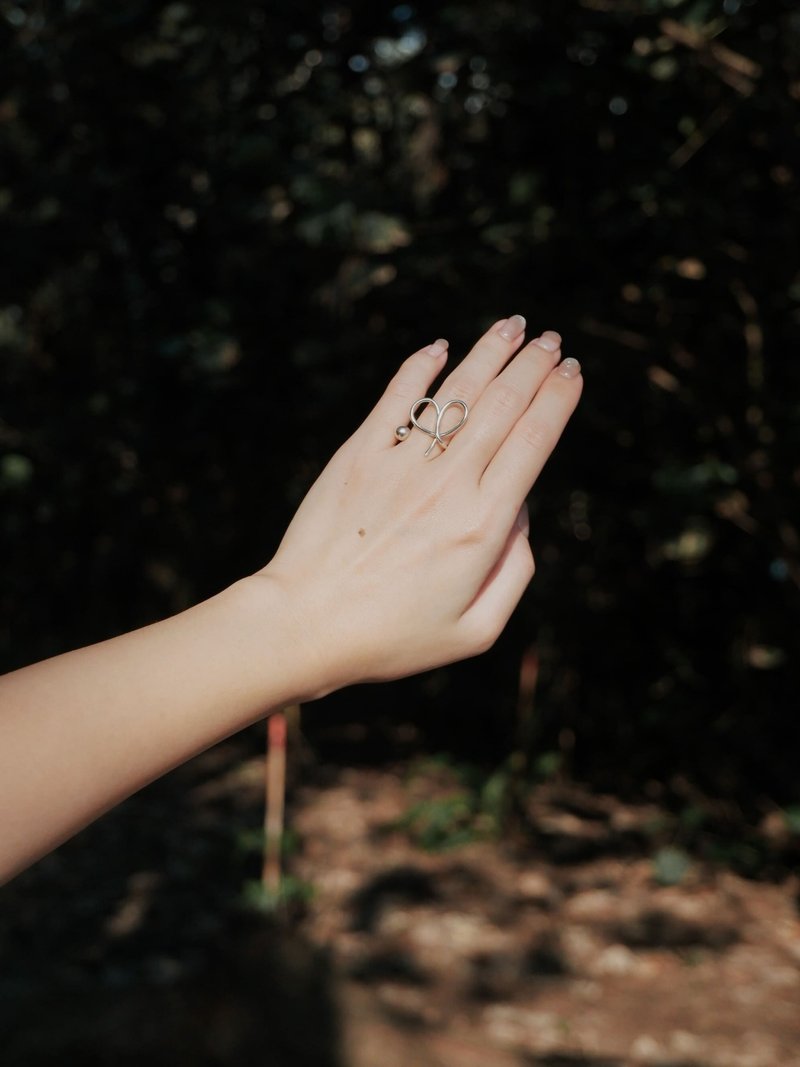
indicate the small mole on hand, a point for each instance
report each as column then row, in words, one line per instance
column 362, row 532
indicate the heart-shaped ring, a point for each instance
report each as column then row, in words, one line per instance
column 438, row 434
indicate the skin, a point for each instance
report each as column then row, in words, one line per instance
column 394, row 563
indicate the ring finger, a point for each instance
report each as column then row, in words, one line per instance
column 507, row 398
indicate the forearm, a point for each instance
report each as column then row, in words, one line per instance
column 82, row 731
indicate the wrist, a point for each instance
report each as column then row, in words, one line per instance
column 279, row 647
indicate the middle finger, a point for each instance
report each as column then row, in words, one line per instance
column 483, row 363
column 506, row 399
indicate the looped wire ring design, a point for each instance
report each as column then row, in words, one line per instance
column 438, row 434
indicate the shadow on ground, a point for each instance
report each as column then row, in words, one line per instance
column 133, row 943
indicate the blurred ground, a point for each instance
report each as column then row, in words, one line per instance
column 562, row 952
column 555, row 948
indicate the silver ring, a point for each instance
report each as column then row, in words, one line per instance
column 438, row 434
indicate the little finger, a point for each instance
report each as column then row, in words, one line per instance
column 486, row 617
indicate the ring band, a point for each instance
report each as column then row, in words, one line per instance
column 438, row 434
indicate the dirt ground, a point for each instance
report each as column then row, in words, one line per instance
column 495, row 954
column 556, row 947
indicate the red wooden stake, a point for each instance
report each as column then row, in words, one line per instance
column 275, row 802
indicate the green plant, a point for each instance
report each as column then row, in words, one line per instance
column 472, row 807
column 671, row 865
column 257, row 897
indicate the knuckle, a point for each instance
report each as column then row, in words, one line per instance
column 479, row 635
column 477, row 528
column 536, row 434
column 463, row 384
column 506, row 398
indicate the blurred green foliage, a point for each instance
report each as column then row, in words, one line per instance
column 223, row 225
column 467, row 805
column 670, row 865
column 293, row 892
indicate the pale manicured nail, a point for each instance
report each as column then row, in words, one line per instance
column 513, row 327
column 569, row 368
column 550, row 341
column 438, row 348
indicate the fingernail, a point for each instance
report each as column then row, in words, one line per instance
column 513, row 327
column 569, row 368
column 438, row 348
column 550, row 341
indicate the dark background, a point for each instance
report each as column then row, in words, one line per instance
column 223, row 226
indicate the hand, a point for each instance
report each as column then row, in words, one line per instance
column 396, row 563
